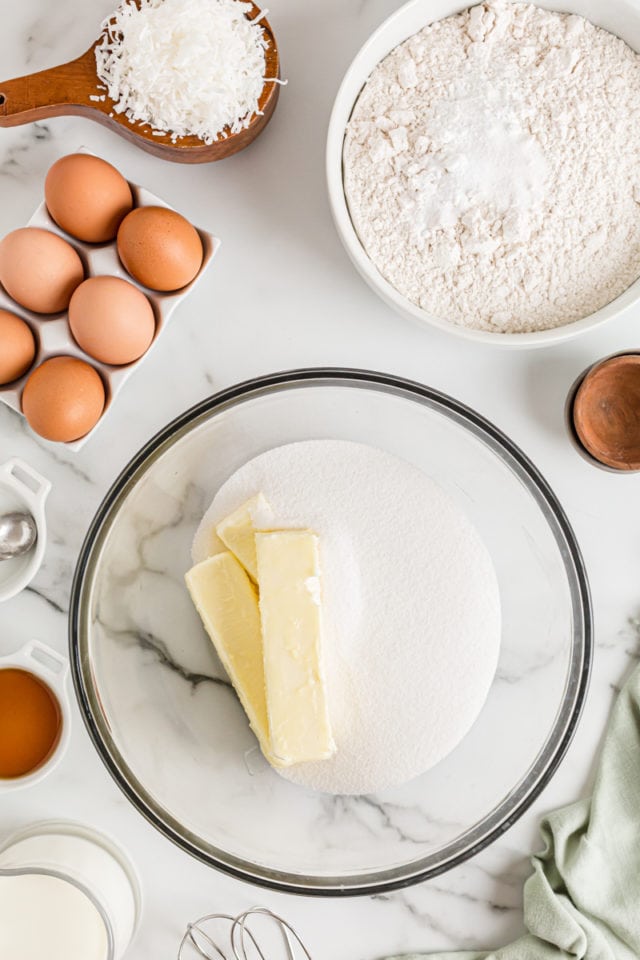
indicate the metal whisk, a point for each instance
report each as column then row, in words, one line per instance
column 203, row 938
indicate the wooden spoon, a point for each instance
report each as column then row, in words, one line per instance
column 66, row 90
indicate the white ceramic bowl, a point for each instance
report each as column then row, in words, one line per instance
column 53, row 670
column 621, row 17
column 22, row 489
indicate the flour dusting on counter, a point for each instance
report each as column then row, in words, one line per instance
column 492, row 167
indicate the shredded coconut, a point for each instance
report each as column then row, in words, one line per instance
column 410, row 598
column 492, row 167
column 185, row 67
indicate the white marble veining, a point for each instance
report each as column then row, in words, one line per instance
column 282, row 294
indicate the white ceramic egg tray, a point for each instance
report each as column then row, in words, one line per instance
column 52, row 334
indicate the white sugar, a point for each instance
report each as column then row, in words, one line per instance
column 411, row 598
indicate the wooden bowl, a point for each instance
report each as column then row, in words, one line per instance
column 66, row 90
column 605, row 412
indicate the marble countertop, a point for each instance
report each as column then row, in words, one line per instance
column 283, row 294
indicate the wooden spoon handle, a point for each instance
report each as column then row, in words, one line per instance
column 65, row 89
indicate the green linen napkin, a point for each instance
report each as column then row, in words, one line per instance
column 583, row 900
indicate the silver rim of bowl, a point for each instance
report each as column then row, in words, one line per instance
column 510, row 809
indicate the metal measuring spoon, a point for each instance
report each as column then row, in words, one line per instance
column 18, row 533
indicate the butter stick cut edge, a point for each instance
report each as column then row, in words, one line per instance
column 292, row 636
column 223, row 593
column 238, row 529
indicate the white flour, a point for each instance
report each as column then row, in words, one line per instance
column 411, row 599
column 492, row 167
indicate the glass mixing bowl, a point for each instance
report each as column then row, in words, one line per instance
column 173, row 735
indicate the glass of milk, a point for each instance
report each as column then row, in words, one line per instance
column 66, row 893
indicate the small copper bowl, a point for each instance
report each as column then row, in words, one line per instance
column 603, row 413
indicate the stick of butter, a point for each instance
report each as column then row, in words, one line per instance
column 237, row 531
column 291, row 612
column 226, row 600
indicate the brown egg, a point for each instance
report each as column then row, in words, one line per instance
column 159, row 248
column 111, row 320
column 63, row 399
column 17, row 347
column 39, row 269
column 87, row 197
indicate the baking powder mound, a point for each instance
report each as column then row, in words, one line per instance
column 411, row 601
